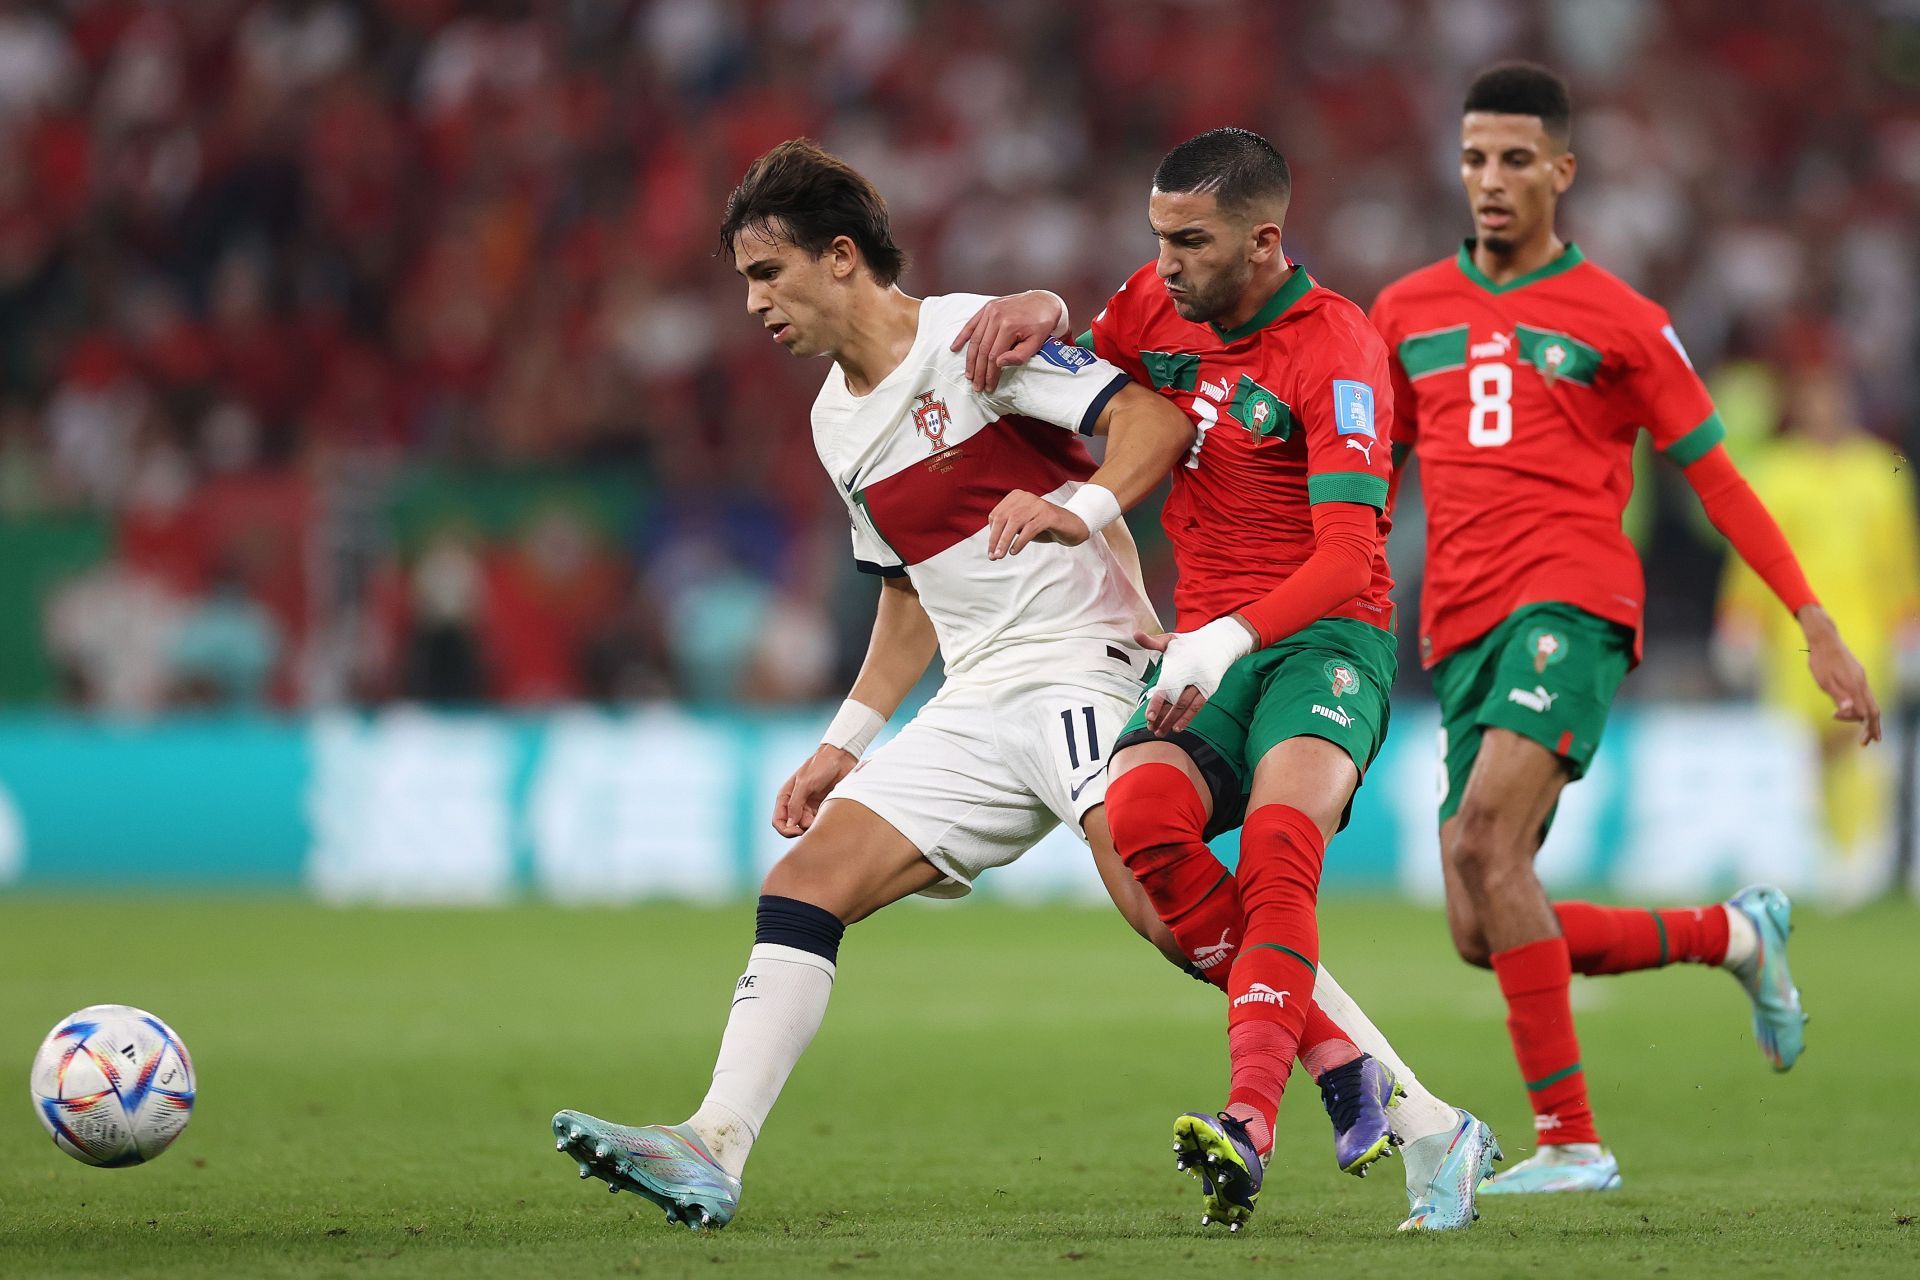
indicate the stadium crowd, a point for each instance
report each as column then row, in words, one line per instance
column 355, row 350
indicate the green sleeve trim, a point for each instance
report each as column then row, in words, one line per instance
column 1085, row 340
column 1348, row 486
column 1535, row 1086
column 1699, row 442
column 1661, row 925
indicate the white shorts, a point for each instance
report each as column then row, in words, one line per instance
column 985, row 770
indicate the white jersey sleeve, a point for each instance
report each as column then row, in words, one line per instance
column 871, row 554
column 1064, row 385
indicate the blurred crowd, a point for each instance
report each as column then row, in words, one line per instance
column 357, row 350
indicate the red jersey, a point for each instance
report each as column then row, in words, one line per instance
column 1291, row 408
column 1522, row 402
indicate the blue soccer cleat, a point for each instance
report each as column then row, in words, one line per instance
column 1446, row 1202
column 1584, row 1166
column 1357, row 1097
column 668, row 1164
column 1219, row 1151
column 1779, row 1023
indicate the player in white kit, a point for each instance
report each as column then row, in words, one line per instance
column 1034, row 605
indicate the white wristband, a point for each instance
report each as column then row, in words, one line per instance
column 1061, row 327
column 853, row 727
column 1094, row 504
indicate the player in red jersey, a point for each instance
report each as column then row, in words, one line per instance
column 1522, row 376
column 1271, row 700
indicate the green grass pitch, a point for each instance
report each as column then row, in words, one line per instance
column 992, row 1095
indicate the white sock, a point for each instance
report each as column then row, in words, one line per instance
column 1743, row 940
column 1419, row 1114
column 777, row 1006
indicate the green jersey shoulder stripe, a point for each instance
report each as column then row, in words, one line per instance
column 1557, row 355
column 1435, row 351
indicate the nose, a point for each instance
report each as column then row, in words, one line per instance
column 1167, row 265
column 757, row 301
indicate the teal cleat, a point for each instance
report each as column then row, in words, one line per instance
column 1576, row 1167
column 1445, row 1203
column 1779, row 1023
column 668, row 1164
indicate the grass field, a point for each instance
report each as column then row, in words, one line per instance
column 991, row 1095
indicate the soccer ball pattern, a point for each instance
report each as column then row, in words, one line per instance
column 112, row 1085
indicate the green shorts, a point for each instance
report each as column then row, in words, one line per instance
column 1329, row 680
column 1548, row 673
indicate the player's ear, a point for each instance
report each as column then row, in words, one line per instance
column 1264, row 241
column 843, row 257
column 1563, row 166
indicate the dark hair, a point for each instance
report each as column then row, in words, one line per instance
column 1525, row 89
column 813, row 197
column 1237, row 165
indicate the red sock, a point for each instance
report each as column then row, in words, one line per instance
column 1323, row 1045
column 1623, row 939
column 1157, row 819
column 1535, row 978
column 1271, row 988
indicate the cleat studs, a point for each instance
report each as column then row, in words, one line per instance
column 560, row 1144
column 1233, row 1228
column 1205, row 1220
column 576, row 1133
column 706, row 1219
column 613, row 1188
column 602, row 1149
column 585, row 1171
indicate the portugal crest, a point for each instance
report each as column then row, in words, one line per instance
column 1340, row 678
column 931, row 419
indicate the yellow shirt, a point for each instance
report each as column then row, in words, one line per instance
column 1848, row 513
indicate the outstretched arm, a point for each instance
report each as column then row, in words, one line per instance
column 1737, row 512
column 902, row 645
column 1145, row 437
column 1345, row 536
column 1009, row 331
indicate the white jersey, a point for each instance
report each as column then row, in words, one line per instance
column 922, row 460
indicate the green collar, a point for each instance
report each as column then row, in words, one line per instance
column 1569, row 258
column 1298, row 282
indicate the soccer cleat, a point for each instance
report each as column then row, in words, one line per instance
column 668, row 1164
column 1445, row 1203
column 1357, row 1097
column 1574, row 1167
column 1219, row 1151
column 1779, row 1023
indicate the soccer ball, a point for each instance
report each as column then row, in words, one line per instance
column 113, row 1085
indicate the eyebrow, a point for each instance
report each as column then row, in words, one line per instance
column 1191, row 229
column 753, row 265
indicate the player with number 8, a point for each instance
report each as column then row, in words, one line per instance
column 1522, row 375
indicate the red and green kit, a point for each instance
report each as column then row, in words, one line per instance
column 1522, row 402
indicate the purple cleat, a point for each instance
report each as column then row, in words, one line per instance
column 1358, row 1097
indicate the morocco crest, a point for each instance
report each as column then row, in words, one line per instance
column 931, row 419
column 1341, row 679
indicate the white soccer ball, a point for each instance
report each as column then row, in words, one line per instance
column 113, row 1085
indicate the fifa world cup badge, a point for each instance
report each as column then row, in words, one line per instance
column 930, row 419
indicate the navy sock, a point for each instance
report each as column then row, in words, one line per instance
column 789, row 922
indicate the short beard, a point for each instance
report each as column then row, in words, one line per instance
column 1497, row 245
column 1210, row 306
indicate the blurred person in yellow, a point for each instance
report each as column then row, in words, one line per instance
column 1844, row 501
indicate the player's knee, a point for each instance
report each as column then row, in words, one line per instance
column 802, row 874
column 1480, row 846
column 1470, row 944
column 1155, row 815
